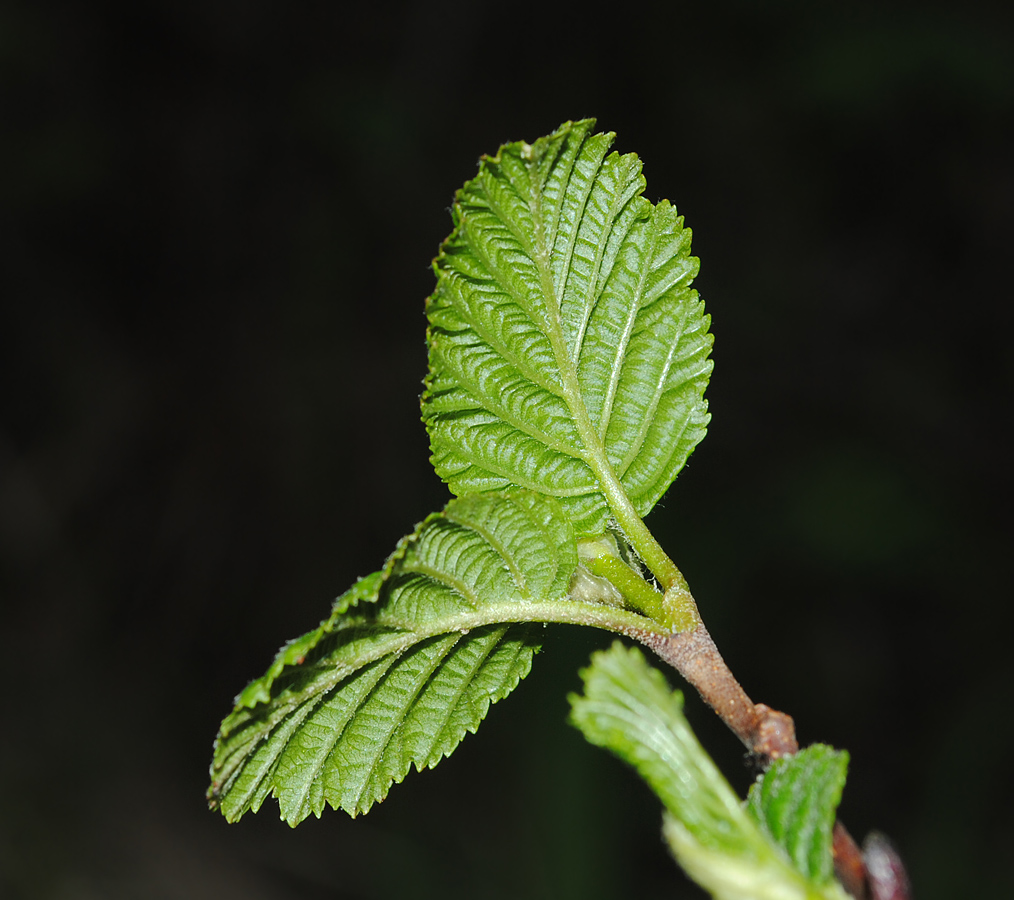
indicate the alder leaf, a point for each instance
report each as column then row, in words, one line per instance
column 568, row 353
column 409, row 661
column 796, row 801
column 628, row 708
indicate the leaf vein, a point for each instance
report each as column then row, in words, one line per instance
column 617, row 204
column 647, row 420
column 395, row 722
column 502, row 550
column 616, row 370
column 515, row 478
column 462, row 685
column 458, row 585
column 520, row 363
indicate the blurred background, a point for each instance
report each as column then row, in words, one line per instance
column 217, row 220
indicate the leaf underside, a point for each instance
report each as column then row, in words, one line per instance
column 410, row 660
column 566, row 345
column 568, row 362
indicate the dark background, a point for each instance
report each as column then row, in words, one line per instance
column 216, row 223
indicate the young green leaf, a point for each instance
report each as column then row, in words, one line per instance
column 568, row 353
column 409, row 661
column 628, row 708
column 796, row 800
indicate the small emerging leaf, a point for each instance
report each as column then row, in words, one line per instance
column 796, row 800
column 409, row 661
column 628, row 708
column 568, row 353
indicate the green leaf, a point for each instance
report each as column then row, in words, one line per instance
column 796, row 800
column 568, row 353
column 408, row 662
column 628, row 708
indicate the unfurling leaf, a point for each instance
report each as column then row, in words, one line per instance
column 627, row 707
column 796, row 800
column 409, row 661
column 568, row 353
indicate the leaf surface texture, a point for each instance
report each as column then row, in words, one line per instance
column 796, row 800
column 409, row 662
column 568, row 352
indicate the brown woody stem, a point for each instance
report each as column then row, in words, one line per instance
column 766, row 732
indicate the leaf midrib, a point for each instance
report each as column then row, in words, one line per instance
column 282, row 708
column 593, row 450
column 562, row 611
